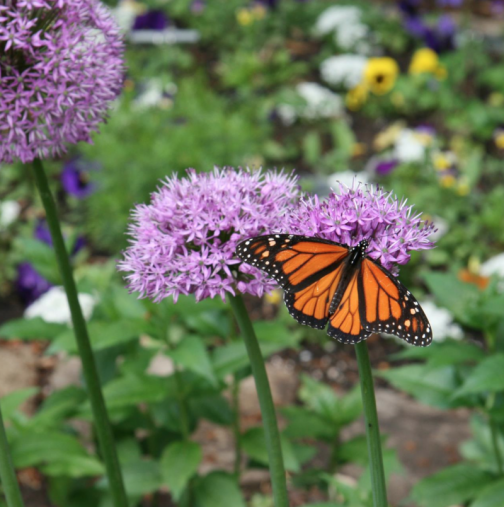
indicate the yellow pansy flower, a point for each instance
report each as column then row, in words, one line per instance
column 499, row 138
column 356, row 97
column 380, row 74
column 426, row 61
column 448, row 181
column 275, row 298
column 244, row 17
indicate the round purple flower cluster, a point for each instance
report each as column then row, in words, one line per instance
column 184, row 241
column 61, row 65
column 352, row 214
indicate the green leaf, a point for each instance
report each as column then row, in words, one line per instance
column 31, row 329
column 304, row 423
column 179, row 463
column 451, row 486
column 444, row 353
column 131, row 390
column 141, row 477
column 214, row 407
column 431, row 386
column 209, row 322
column 491, row 496
column 324, row 401
column 10, row 402
column 453, row 294
column 41, row 256
column 73, row 466
column 486, row 376
column 59, row 405
column 192, row 354
column 480, row 449
column 103, row 335
column 254, row 444
column 217, row 489
column 58, row 453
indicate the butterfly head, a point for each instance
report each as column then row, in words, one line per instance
column 363, row 246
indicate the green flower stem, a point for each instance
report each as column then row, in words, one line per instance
column 277, row 471
column 184, row 412
column 235, row 392
column 103, row 429
column 372, row 428
column 7, row 474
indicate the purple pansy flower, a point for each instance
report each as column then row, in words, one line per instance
column 41, row 232
column 198, row 6
column 74, row 179
column 184, row 241
column 154, row 19
column 30, row 284
column 352, row 214
column 61, row 67
column 384, row 167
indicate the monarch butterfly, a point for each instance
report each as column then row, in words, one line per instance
column 327, row 281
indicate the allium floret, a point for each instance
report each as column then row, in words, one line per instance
column 60, row 68
column 184, row 241
column 352, row 214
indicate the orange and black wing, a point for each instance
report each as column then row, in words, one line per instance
column 388, row 306
column 346, row 324
column 308, row 269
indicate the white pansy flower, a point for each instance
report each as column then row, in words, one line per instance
column 343, row 70
column 493, row 266
column 321, row 102
column 408, row 147
column 345, row 22
column 126, row 12
column 336, row 16
column 9, row 211
column 155, row 94
column 442, row 227
column 52, row 306
column 287, row 114
column 441, row 321
column 348, row 178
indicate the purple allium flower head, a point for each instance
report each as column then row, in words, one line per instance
column 61, row 66
column 183, row 242
column 74, row 179
column 154, row 19
column 450, row 3
column 352, row 214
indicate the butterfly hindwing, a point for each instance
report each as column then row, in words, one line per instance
column 345, row 323
column 310, row 306
column 390, row 307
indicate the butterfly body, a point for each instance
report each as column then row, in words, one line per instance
column 327, row 282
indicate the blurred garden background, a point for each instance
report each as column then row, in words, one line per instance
column 407, row 95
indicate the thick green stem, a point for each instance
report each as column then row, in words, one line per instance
column 273, row 445
column 372, row 428
column 7, row 474
column 103, row 429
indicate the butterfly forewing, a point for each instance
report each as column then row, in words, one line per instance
column 295, row 262
column 389, row 307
